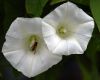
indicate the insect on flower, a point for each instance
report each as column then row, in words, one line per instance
column 34, row 46
column 25, row 48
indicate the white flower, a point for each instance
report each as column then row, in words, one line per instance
column 25, row 48
column 67, row 30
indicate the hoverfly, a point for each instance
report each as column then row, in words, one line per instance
column 33, row 47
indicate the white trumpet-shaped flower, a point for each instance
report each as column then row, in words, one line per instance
column 67, row 30
column 25, row 49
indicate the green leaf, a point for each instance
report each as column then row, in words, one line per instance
column 83, row 2
column 94, row 44
column 86, row 74
column 35, row 7
column 56, row 1
column 95, row 8
column 92, row 49
column 91, row 72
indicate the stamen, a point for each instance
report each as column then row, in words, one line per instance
column 62, row 32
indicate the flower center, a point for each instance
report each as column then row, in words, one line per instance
column 33, row 42
column 62, row 32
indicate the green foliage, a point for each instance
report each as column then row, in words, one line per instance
column 35, row 7
column 56, row 1
column 91, row 53
column 95, row 8
column 85, row 73
column 83, row 2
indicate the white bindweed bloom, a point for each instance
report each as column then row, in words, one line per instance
column 25, row 49
column 67, row 30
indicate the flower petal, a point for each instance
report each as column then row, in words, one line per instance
column 61, row 48
column 82, row 40
column 14, row 56
column 52, row 41
column 85, row 29
column 47, row 29
column 44, row 60
column 74, row 47
column 22, row 27
column 75, row 15
column 11, row 44
column 31, row 64
column 56, row 16
column 25, row 65
column 68, row 47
